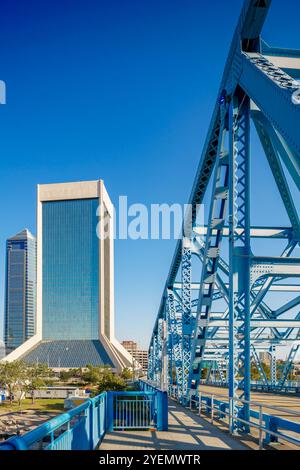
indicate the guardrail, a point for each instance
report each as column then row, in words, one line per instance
column 160, row 406
column 269, row 427
column 81, row 428
column 292, row 388
column 84, row 427
column 137, row 410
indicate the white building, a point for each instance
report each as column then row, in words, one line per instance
column 75, row 279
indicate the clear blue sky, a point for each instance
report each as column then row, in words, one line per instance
column 123, row 91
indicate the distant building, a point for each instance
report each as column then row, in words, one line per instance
column 140, row 355
column 75, row 280
column 2, row 349
column 264, row 357
column 20, row 290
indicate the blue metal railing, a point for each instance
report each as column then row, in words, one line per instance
column 134, row 410
column 270, row 428
column 161, row 404
column 291, row 387
column 81, row 428
column 84, row 427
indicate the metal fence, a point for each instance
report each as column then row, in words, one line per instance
column 265, row 427
column 291, row 387
column 160, row 405
column 138, row 410
column 134, row 412
column 84, row 427
column 79, row 429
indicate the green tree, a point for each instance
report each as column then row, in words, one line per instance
column 111, row 382
column 66, row 375
column 37, row 376
column 12, row 378
column 126, row 374
column 254, row 372
column 92, row 375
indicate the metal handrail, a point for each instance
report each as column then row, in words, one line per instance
column 39, row 433
column 254, row 403
column 260, row 426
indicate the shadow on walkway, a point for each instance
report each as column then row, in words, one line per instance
column 187, row 431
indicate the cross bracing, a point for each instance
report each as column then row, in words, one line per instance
column 243, row 300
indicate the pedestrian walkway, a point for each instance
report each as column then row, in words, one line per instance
column 187, row 431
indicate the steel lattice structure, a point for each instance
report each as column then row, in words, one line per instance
column 258, row 84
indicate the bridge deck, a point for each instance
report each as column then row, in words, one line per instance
column 290, row 403
column 187, row 431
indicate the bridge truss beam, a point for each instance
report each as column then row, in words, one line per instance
column 227, row 315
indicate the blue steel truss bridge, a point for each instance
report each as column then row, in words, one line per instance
column 233, row 288
column 226, row 299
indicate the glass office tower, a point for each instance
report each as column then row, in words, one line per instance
column 20, row 290
column 75, row 279
column 70, row 269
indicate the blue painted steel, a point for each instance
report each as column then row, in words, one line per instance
column 243, row 282
column 186, row 274
column 239, row 255
column 137, row 410
column 211, row 255
column 175, row 334
column 161, row 405
column 84, row 427
column 270, row 422
column 79, row 429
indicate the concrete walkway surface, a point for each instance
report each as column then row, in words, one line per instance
column 187, row 431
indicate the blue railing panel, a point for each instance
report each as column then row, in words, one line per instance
column 269, row 422
column 84, row 427
column 135, row 413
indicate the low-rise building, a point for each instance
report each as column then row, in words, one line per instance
column 140, row 355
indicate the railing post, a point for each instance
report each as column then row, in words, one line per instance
column 200, row 402
column 260, row 428
column 91, row 424
column 230, row 424
column 273, row 427
column 110, row 412
column 162, row 411
column 212, row 409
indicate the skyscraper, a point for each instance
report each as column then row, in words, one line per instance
column 20, row 290
column 75, row 279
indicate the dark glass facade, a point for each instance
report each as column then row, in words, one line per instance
column 70, row 272
column 20, row 293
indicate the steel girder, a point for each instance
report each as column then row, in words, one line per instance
column 239, row 257
column 186, row 313
column 253, row 86
column 175, row 338
column 211, row 256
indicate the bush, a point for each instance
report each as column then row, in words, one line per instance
column 111, row 382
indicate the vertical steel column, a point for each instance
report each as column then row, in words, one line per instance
column 176, row 333
column 150, row 371
column 155, row 358
column 239, row 259
column 186, row 313
column 170, row 356
column 158, row 354
column 164, row 357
